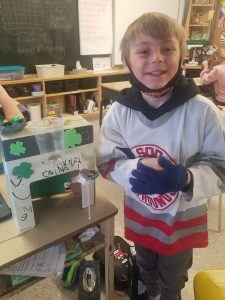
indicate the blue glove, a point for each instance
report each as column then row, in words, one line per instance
column 146, row 180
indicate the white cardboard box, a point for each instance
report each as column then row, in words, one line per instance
column 50, row 70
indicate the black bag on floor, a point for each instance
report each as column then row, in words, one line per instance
column 121, row 254
column 137, row 289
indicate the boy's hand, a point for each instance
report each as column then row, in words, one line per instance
column 205, row 64
column 151, row 162
column 169, row 178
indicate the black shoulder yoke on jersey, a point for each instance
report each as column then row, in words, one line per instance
column 183, row 90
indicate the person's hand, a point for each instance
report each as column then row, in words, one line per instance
column 169, row 178
column 205, row 64
column 151, row 162
column 9, row 105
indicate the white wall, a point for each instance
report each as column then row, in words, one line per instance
column 126, row 11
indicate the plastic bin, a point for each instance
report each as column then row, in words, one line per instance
column 25, row 90
column 13, row 91
column 49, row 134
column 51, row 70
column 88, row 83
column 54, row 86
column 53, row 110
column 34, row 111
column 71, row 85
column 11, row 72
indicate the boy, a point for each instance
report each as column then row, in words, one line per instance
column 165, row 144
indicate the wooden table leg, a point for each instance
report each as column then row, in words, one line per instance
column 108, row 229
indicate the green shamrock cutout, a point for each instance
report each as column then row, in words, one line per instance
column 72, row 138
column 17, row 149
column 23, row 170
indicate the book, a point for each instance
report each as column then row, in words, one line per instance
column 71, row 104
column 81, row 104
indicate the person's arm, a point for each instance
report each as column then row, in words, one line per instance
column 208, row 167
column 208, row 76
column 115, row 159
column 9, row 106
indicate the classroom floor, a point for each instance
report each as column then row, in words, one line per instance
column 211, row 257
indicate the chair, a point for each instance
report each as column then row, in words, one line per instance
column 220, row 213
column 209, row 285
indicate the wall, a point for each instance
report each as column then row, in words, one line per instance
column 126, row 11
column 47, row 31
column 40, row 32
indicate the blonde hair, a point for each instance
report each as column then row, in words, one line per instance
column 158, row 26
column 217, row 57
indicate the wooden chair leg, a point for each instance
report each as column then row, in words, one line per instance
column 220, row 212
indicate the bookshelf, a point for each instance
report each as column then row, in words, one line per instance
column 198, row 22
column 56, row 89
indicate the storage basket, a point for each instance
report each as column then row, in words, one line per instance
column 51, row 70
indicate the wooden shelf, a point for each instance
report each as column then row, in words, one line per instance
column 199, row 25
column 202, row 5
column 94, row 244
column 72, row 92
column 27, row 79
column 60, row 96
column 27, row 98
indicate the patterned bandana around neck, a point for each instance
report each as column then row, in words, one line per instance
column 157, row 93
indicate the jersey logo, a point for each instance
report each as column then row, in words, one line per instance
column 155, row 201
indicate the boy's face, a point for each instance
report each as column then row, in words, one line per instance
column 154, row 62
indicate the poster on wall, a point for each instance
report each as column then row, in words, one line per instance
column 95, row 26
column 221, row 20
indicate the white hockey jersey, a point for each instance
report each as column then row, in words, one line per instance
column 192, row 134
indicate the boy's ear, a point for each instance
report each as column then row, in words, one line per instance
column 124, row 61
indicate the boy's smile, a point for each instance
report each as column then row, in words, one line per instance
column 154, row 62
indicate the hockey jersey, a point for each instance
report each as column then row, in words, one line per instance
column 189, row 130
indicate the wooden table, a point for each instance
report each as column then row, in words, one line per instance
column 116, row 86
column 193, row 70
column 57, row 219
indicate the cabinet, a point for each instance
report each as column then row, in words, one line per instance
column 198, row 21
column 56, row 89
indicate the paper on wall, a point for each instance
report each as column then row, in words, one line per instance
column 95, row 27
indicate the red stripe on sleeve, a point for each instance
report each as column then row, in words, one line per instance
column 109, row 168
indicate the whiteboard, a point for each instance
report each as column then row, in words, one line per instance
column 126, row 11
column 95, row 26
